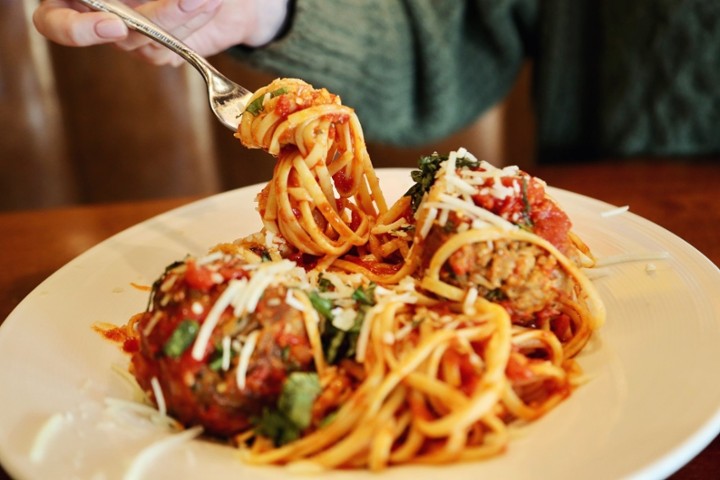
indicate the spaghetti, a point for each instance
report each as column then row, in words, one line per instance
column 324, row 193
column 347, row 334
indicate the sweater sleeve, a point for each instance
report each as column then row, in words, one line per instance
column 413, row 70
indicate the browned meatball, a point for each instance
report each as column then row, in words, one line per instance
column 206, row 392
column 523, row 277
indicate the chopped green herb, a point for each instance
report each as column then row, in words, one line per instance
column 324, row 284
column 216, row 360
column 181, row 338
column 450, row 227
column 293, row 412
column 328, row 418
column 323, row 305
column 463, row 162
column 365, row 296
column 528, row 223
column 216, row 363
column 256, row 106
column 424, row 178
column 298, row 395
column 334, row 344
column 495, row 295
column 276, row 426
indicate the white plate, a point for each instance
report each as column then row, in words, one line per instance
column 652, row 403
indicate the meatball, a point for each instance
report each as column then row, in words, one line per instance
column 205, row 391
column 523, row 277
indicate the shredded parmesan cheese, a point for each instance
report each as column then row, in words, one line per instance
column 469, row 302
column 149, row 455
column 427, row 224
column 43, row 438
column 631, row 257
column 244, row 362
column 213, row 317
column 294, row 302
column 159, row 397
column 226, row 352
column 615, row 211
column 209, row 258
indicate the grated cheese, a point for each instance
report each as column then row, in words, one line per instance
column 149, row 455
column 197, row 308
column 247, row 350
column 460, row 185
column 209, row 258
column 343, row 318
column 292, row 301
column 630, row 257
column 469, row 301
column 615, row 211
column 49, row 429
column 427, row 224
column 213, row 317
column 226, row 351
column 151, row 323
column 115, row 405
column 159, row 397
column 479, row 215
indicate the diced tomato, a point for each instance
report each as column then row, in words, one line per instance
column 198, row 278
column 131, row 345
column 285, row 105
column 551, row 223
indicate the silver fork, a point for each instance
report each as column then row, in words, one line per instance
column 228, row 100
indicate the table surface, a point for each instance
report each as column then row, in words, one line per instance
column 677, row 194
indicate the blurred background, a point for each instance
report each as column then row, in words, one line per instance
column 92, row 125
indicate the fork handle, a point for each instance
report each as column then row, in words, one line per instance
column 140, row 23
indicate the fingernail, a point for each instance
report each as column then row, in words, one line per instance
column 190, row 5
column 110, row 29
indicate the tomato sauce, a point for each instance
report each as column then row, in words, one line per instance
column 530, row 208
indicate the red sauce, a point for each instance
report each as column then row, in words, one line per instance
column 285, row 105
column 532, row 207
column 303, row 260
column 517, row 370
column 119, row 336
column 262, row 200
column 339, row 117
column 343, row 183
column 199, row 278
column 378, row 268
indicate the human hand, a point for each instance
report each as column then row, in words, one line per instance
column 206, row 26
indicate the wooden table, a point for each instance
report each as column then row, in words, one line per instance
column 680, row 195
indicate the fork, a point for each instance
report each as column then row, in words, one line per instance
column 228, row 100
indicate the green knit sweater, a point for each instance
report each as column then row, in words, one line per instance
column 612, row 77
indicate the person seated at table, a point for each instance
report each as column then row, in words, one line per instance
column 611, row 78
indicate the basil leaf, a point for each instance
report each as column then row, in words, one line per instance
column 323, row 305
column 256, row 106
column 365, row 296
column 293, row 412
column 181, row 338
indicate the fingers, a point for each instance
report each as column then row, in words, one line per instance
column 62, row 24
column 181, row 18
